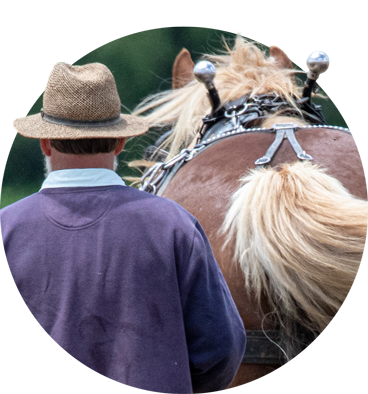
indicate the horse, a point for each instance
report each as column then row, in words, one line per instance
column 288, row 234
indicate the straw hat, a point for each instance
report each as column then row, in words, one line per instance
column 80, row 102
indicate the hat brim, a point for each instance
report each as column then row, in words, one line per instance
column 35, row 126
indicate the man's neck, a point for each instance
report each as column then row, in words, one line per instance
column 62, row 161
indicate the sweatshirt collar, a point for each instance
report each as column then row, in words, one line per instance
column 82, row 177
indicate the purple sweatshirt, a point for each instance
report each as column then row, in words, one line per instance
column 126, row 283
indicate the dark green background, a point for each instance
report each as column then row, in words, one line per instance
column 141, row 59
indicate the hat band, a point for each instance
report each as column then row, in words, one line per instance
column 80, row 123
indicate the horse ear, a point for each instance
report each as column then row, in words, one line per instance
column 281, row 58
column 182, row 71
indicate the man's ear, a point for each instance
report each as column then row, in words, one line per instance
column 46, row 147
column 120, row 146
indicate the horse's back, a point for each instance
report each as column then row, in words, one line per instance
column 218, row 168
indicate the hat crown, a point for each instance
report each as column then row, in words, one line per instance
column 85, row 93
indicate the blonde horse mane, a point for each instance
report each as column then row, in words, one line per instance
column 299, row 238
column 241, row 70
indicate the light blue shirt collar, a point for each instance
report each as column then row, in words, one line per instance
column 82, row 177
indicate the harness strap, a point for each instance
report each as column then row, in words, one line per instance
column 283, row 130
column 169, row 176
column 262, row 348
column 296, row 146
column 280, row 133
column 265, row 347
column 160, row 173
column 249, row 111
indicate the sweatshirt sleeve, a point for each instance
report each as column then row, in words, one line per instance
column 214, row 330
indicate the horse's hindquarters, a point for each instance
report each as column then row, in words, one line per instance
column 206, row 186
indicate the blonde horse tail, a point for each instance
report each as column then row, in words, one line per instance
column 299, row 238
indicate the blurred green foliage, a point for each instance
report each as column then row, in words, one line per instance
column 12, row 193
column 141, row 59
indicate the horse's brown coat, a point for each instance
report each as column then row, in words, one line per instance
column 213, row 176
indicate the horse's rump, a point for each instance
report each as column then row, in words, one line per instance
column 297, row 234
